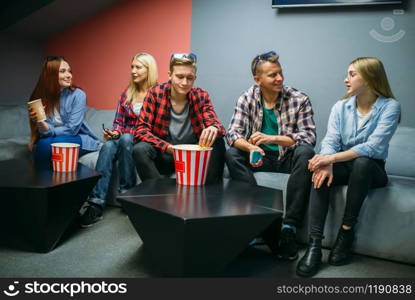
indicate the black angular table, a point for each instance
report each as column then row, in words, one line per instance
column 190, row 231
column 38, row 205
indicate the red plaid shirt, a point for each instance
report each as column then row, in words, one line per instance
column 154, row 120
column 125, row 120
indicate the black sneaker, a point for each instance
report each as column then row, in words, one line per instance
column 287, row 247
column 92, row 214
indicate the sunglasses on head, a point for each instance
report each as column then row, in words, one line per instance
column 264, row 56
column 189, row 56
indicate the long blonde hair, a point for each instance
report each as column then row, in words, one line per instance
column 150, row 64
column 372, row 71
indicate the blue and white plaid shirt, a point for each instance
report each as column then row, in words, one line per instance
column 293, row 111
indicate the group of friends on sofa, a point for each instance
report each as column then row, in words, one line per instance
column 269, row 118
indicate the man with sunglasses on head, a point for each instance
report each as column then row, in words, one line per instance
column 176, row 112
column 275, row 123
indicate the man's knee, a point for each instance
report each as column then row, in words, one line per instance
column 143, row 151
column 304, row 152
column 219, row 145
column 232, row 154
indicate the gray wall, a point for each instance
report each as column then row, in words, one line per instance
column 315, row 47
column 20, row 61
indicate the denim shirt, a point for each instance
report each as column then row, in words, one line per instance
column 372, row 139
column 72, row 110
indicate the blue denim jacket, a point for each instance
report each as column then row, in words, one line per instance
column 371, row 140
column 72, row 110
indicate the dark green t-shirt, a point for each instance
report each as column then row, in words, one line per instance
column 269, row 126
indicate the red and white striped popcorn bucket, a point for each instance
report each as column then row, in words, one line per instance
column 191, row 163
column 65, row 157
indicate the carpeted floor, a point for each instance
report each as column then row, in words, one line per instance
column 112, row 248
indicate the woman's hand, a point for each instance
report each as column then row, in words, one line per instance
column 110, row 134
column 208, row 136
column 320, row 161
column 43, row 125
column 32, row 114
column 321, row 174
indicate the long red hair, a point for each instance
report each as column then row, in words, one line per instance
column 48, row 89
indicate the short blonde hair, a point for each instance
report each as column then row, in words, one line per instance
column 260, row 59
column 373, row 72
column 182, row 62
column 150, row 64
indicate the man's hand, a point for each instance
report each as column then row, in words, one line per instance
column 320, row 161
column 259, row 138
column 208, row 136
column 321, row 174
column 259, row 162
column 169, row 149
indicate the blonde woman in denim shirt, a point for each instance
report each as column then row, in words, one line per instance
column 353, row 153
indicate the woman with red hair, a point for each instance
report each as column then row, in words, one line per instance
column 64, row 106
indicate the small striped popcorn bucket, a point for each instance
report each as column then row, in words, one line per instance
column 65, row 157
column 191, row 163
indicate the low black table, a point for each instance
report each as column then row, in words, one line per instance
column 37, row 204
column 199, row 230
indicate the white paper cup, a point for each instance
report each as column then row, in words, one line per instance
column 65, row 157
column 191, row 163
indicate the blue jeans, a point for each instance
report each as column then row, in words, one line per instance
column 113, row 150
column 43, row 150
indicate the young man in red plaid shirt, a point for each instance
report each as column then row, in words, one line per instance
column 176, row 112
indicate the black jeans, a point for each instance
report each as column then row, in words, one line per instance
column 295, row 163
column 360, row 175
column 151, row 162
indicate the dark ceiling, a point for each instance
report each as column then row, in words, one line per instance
column 11, row 11
column 42, row 19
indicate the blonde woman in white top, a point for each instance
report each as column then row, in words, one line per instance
column 120, row 139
